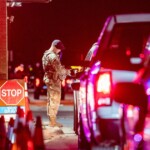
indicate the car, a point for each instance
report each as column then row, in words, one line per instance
column 113, row 62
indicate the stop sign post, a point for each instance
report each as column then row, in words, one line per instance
column 11, row 92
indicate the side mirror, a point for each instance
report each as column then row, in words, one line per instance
column 125, row 92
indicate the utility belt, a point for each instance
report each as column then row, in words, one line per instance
column 55, row 76
column 52, row 75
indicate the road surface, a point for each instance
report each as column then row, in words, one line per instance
column 64, row 138
column 56, row 138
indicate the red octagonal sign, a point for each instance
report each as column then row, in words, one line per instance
column 11, row 92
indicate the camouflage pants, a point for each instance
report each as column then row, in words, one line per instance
column 53, row 96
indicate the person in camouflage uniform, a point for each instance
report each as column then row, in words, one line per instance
column 54, row 73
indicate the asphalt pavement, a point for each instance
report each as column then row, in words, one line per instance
column 64, row 138
column 56, row 138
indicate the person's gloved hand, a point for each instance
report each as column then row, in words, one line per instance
column 73, row 72
column 69, row 72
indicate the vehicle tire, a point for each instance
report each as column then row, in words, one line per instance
column 75, row 87
column 83, row 144
column 76, row 120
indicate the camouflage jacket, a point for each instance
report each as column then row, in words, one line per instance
column 52, row 67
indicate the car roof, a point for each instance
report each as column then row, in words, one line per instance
column 127, row 18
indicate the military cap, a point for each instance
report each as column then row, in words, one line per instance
column 58, row 44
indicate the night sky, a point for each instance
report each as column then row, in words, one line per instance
column 76, row 22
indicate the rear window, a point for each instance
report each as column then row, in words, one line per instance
column 125, row 47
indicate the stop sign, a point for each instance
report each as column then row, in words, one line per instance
column 11, row 92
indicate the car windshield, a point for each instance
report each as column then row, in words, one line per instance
column 124, row 49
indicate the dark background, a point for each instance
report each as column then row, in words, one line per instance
column 76, row 22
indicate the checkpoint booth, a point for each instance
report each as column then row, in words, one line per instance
column 13, row 93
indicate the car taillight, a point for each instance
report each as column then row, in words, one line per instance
column 103, row 89
column 37, row 82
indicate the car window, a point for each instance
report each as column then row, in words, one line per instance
column 125, row 47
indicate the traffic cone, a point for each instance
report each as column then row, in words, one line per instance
column 38, row 139
column 14, row 147
column 30, row 144
column 2, row 133
column 23, row 138
column 29, row 140
column 13, row 137
column 19, row 118
column 18, row 138
column 27, row 108
column 10, row 128
column 29, row 122
column 10, row 133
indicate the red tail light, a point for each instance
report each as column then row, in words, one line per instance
column 37, row 82
column 104, row 84
column 103, row 88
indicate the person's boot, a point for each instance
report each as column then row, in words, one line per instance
column 59, row 124
column 53, row 122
